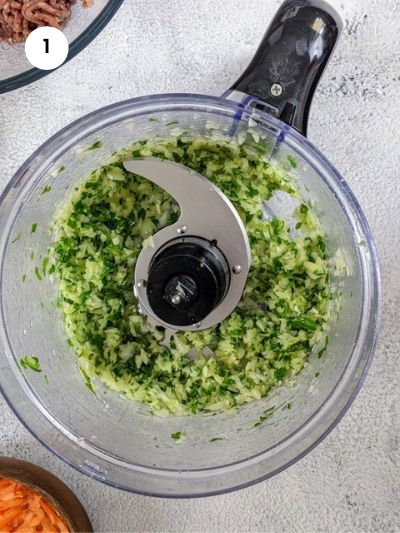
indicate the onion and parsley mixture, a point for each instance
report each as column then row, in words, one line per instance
column 266, row 341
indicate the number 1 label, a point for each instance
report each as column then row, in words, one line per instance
column 39, row 52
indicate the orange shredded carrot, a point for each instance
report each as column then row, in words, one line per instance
column 22, row 510
column 9, row 502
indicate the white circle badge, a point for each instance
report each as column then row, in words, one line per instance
column 46, row 48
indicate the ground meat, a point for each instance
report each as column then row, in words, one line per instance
column 19, row 17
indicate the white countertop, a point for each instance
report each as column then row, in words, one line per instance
column 350, row 482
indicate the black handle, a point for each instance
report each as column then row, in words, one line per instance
column 291, row 58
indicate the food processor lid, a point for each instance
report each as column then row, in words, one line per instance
column 191, row 274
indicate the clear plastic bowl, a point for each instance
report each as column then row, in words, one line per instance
column 116, row 440
column 83, row 26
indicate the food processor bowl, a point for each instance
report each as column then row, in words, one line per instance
column 83, row 26
column 118, row 441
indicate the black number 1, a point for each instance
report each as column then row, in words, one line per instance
column 46, row 48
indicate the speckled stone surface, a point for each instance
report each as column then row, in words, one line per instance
column 351, row 482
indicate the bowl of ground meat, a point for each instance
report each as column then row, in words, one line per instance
column 80, row 20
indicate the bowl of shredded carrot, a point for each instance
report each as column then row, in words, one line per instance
column 80, row 20
column 34, row 500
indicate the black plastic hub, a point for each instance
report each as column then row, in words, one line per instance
column 188, row 278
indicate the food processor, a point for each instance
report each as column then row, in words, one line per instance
column 118, row 441
column 83, row 26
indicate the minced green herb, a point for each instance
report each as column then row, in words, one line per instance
column 267, row 339
column 179, row 436
column 267, row 414
column 46, row 189
column 30, row 361
column 303, row 322
column 34, row 227
column 292, row 161
column 87, row 379
column 324, row 347
column 38, row 274
column 45, row 264
column 16, row 238
column 23, row 278
column 216, row 439
column 95, row 146
column 269, row 411
column 46, row 379
column 258, row 423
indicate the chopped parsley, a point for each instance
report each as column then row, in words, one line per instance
column 37, row 273
column 283, row 314
column 88, row 381
column 216, row 439
column 179, row 436
column 280, row 373
column 31, row 362
column 95, row 146
column 45, row 264
column 34, row 227
column 292, row 161
column 323, row 350
column 46, row 189
column 267, row 414
column 258, row 423
column 303, row 323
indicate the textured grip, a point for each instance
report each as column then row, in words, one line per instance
column 291, row 58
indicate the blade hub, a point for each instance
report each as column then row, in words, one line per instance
column 188, row 279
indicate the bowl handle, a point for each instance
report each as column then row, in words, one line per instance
column 290, row 60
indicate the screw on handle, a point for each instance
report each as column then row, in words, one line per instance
column 291, row 59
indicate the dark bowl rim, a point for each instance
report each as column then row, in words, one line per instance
column 85, row 38
column 51, row 487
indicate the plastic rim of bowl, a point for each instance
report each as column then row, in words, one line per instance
column 296, row 445
column 85, row 38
